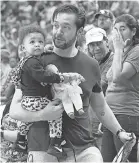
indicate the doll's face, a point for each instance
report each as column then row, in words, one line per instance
column 52, row 68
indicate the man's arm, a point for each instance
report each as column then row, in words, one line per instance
column 106, row 116
column 52, row 111
column 104, row 113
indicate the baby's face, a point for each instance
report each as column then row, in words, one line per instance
column 33, row 44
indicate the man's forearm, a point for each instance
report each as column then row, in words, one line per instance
column 52, row 111
column 108, row 119
column 104, row 113
column 18, row 113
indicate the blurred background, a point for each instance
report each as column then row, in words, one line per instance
column 17, row 13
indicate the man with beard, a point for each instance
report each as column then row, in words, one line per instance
column 105, row 19
column 68, row 21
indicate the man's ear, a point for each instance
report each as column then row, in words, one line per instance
column 80, row 31
column 134, row 31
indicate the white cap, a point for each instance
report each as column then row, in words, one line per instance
column 95, row 35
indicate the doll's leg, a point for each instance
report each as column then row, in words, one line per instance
column 77, row 101
column 68, row 107
column 55, row 129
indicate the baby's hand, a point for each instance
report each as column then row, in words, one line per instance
column 52, row 68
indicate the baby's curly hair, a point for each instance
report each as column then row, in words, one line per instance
column 27, row 29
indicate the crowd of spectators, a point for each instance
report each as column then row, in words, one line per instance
column 17, row 13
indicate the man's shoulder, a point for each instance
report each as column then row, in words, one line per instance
column 87, row 58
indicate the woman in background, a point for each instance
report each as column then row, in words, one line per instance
column 123, row 85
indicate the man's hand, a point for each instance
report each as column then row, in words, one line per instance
column 52, row 111
column 124, row 136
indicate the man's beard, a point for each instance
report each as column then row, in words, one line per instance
column 64, row 45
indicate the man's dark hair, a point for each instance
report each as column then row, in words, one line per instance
column 27, row 29
column 71, row 9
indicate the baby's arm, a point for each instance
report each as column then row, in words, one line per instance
column 36, row 70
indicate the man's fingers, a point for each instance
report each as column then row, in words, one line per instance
column 61, row 108
column 58, row 105
column 56, row 102
column 130, row 136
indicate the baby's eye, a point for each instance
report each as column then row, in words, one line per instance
column 41, row 42
column 32, row 42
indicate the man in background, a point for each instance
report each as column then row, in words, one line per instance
column 105, row 19
column 98, row 48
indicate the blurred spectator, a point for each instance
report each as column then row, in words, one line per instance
column 8, row 87
column 98, row 48
column 105, row 19
column 2, row 46
column 122, row 94
column 17, row 13
column 13, row 61
column 5, row 66
column 4, row 71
